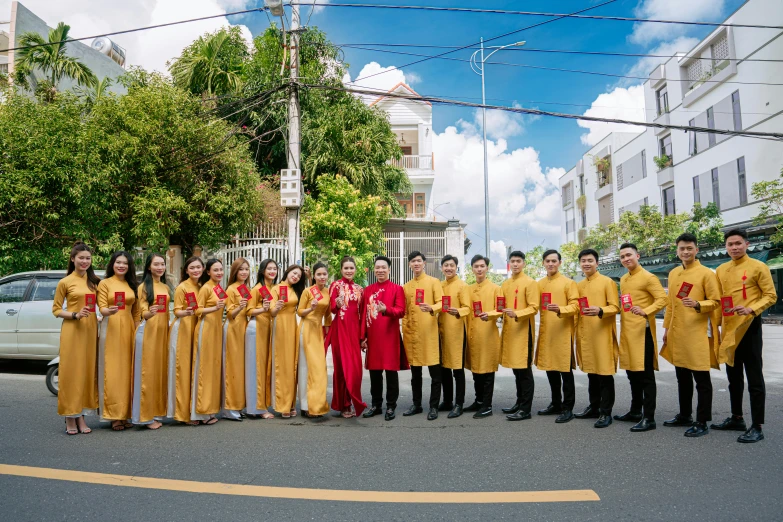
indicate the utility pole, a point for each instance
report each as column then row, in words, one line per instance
column 486, row 161
column 294, row 137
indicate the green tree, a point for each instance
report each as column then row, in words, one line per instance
column 95, row 92
column 570, row 262
column 534, row 263
column 706, row 223
column 48, row 56
column 339, row 221
column 470, row 277
column 648, row 229
column 770, row 196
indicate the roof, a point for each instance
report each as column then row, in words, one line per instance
column 404, row 86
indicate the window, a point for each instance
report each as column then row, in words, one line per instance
column 583, row 217
column 646, row 201
column 420, row 205
column 692, row 139
column 662, row 100
column 44, row 289
column 696, row 193
column 581, row 184
column 665, row 147
column 711, row 125
column 566, row 195
column 406, row 203
column 715, row 188
column 735, row 107
column 13, row 291
column 644, row 164
column 407, row 151
column 743, row 183
column 668, row 202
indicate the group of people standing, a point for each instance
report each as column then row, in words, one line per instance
column 248, row 352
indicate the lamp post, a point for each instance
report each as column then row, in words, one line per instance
column 477, row 61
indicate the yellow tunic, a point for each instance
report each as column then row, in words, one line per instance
column 285, row 355
column 235, row 351
column 206, row 390
column 115, row 364
column 521, row 294
column 151, row 382
column 555, row 347
column 760, row 292
column 452, row 329
column 78, row 393
column 181, row 336
column 646, row 292
column 597, row 350
column 420, row 329
column 259, row 393
column 483, row 336
column 311, row 343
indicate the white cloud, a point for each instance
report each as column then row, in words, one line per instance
column 690, row 11
column 644, row 66
column 150, row 49
column 500, row 123
column 375, row 77
column 318, row 8
column 497, row 248
column 621, row 103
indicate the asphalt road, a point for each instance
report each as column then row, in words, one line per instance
column 646, row 476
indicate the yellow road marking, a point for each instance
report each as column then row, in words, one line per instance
column 334, row 495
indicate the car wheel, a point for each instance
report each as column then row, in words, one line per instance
column 53, row 379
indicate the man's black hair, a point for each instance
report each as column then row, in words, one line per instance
column 735, row 232
column 413, row 255
column 517, row 253
column 629, row 245
column 588, row 252
column 687, row 237
column 383, row 258
column 477, row 258
column 550, row 252
column 449, row 257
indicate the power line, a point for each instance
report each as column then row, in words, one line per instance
column 538, row 112
column 537, row 13
column 490, row 39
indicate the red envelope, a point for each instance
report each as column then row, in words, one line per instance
column 546, row 299
column 119, row 300
column 727, row 304
column 284, row 294
column 419, row 296
column 583, row 304
column 266, row 295
column 219, row 292
column 89, row 301
column 626, row 302
column 685, row 289
column 243, row 291
column 160, row 300
column 316, row 293
column 192, row 302
column 445, row 303
column 501, row 304
column 477, row 308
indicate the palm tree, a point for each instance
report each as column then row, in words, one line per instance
column 49, row 56
column 97, row 91
column 208, row 67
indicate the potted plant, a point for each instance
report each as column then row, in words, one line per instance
column 581, row 202
column 663, row 161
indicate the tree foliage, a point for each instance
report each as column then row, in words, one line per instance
column 498, row 279
column 770, row 196
column 569, row 253
column 706, row 223
column 534, row 263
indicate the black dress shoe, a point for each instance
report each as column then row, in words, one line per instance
column 603, row 421
column 485, row 411
column 476, row 406
column 732, row 423
column 754, row 434
column 564, row 417
column 389, row 414
column 551, row 410
column 515, row 408
column 456, row 412
column 679, row 420
column 697, row 430
column 519, row 415
column 413, row 410
column 445, row 406
column 433, row 414
column 588, row 413
column 372, row 411
column 631, row 416
column 644, row 425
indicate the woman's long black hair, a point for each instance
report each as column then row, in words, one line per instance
column 184, row 277
column 205, row 274
column 262, row 268
column 149, row 281
column 315, row 269
column 130, row 277
column 92, row 279
column 300, row 285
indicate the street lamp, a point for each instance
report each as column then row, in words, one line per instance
column 477, row 61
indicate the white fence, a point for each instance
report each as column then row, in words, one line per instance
column 414, row 162
column 399, row 244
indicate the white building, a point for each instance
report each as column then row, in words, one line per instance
column 715, row 86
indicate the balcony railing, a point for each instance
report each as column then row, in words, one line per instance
column 415, row 162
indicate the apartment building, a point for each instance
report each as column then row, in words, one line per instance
column 715, row 85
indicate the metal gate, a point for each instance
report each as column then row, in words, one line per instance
column 267, row 241
column 399, row 244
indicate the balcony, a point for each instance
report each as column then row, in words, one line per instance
column 415, row 162
column 662, row 119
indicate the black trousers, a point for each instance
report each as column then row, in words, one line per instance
column 459, row 378
column 600, row 390
column 524, row 378
column 484, row 385
column 392, row 388
column 416, row 382
column 567, row 400
column 643, row 390
column 748, row 356
column 685, row 378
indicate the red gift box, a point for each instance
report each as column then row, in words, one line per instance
column 316, row 293
column 546, row 299
column 477, row 311
column 192, row 302
column 284, row 294
column 243, row 291
column 583, row 304
column 219, row 292
column 445, row 303
column 266, row 295
column 685, row 290
column 419, row 296
column 626, row 302
column 160, row 300
column 727, row 304
column 501, row 304
column 89, row 301
column 119, row 300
